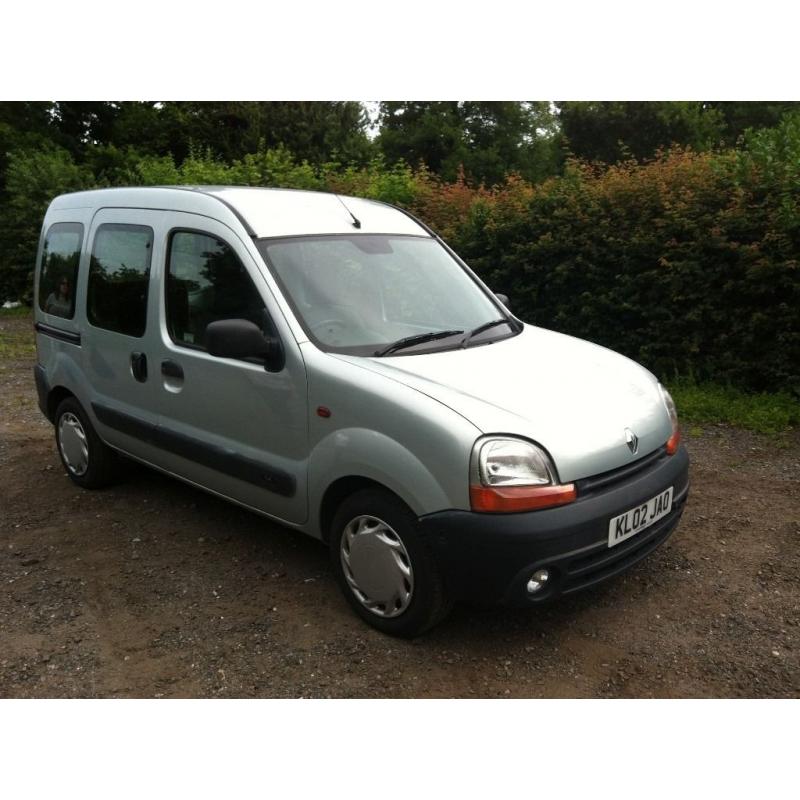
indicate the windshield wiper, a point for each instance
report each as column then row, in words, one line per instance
column 416, row 339
column 481, row 328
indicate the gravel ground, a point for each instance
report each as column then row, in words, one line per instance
column 154, row 589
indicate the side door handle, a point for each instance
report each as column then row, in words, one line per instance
column 172, row 369
column 139, row 366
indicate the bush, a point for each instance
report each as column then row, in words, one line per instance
column 33, row 179
column 687, row 263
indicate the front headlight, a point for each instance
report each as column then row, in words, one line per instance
column 675, row 439
column 508, row 474
column 512, row 462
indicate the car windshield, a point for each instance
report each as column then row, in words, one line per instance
column 364, row 293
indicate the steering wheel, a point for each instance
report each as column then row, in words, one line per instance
column 334, row 323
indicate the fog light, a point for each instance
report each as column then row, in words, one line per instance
column 538, row 581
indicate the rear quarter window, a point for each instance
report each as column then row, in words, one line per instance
column 59, row 268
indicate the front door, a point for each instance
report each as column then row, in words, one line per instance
column 226, row 424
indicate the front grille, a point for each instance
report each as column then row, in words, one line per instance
column 587, row 486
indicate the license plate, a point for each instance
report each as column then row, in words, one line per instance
column 637, row 519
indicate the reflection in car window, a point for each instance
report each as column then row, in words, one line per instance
column 357, row 293
column 59, row 268
column 119, row 274
column 206, row 282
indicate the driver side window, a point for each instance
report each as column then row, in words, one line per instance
column 206, row 282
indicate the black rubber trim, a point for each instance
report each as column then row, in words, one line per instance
column 42, row 388
column 226, row 461
column 58, row 333
column 125, row 423
column 188, row 447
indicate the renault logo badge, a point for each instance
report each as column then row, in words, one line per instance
column 632, row 440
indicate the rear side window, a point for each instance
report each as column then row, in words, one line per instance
column 206, row 282
column 119, row 275
column 59, row 268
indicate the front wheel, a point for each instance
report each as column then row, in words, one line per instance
column 383, row 565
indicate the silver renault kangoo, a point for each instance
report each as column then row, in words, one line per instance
column 330, row 363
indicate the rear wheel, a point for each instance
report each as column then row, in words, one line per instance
column 383, row 565
column 88, row 461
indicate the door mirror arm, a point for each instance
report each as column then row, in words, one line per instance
column 275, row 358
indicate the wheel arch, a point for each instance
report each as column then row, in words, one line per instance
column 54, row 399
column 338, row 492
column 356, row 458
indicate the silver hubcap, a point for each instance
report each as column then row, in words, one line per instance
column 72, row 443
column 376, row 566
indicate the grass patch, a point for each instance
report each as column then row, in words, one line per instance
column 20, row 311
column 711, row 403
column 16, row 334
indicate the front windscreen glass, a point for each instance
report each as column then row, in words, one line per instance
column 359, row 294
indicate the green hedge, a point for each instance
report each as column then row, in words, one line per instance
column 688, row 263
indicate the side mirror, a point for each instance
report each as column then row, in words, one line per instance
column 240, row 338
column 503, row 298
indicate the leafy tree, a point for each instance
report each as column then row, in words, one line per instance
column 33, row 179
column 113, row 166
column 422, row 132
column 80, row 124
column 741, row 116
column 149, row 127
column 22, row 125
column 487, row 139
column 612, row 131
column 505, row 137
column 313, row 131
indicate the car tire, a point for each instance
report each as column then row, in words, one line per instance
column 89, row 462
column 384, row 566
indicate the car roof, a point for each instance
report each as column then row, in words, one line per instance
column 263, row 212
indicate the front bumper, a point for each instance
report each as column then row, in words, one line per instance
column 488, row 558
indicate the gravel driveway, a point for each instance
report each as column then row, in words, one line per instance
column 155, row 589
